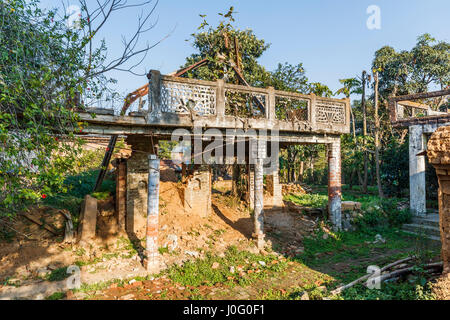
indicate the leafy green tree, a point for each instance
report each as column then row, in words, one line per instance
column 46, row 68
column 320, row 89
column 227, row 49
column 405, row 72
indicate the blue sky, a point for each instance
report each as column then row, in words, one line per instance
column 329, row 37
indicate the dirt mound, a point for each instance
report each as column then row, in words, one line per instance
column 442, row 287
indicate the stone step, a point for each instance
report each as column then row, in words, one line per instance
column 425, row 236
column 430, row 220
column 422, row 229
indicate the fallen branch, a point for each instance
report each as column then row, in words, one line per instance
column 2, row 222
column 367, row 276
column 407, row 270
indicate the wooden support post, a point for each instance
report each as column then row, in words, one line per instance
column 152, row 263
column 334, row 184
column 259, row 204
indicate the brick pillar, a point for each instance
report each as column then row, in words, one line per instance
column 334, row 184
column 137, row 185
column 259, row 204
column 439, row 156
column 152, row 254
column 121, row 194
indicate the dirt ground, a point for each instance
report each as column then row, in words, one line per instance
column 35, row 253
column 441, row 288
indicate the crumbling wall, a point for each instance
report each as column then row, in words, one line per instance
column 439, row 156
column 137, row 185
column 197, row 193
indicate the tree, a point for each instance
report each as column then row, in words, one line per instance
column 46, row 67
column 350, row 86
column 227, row 48
column 377, row 134
column 288, row 77
column 320, row 90
column 406, row 72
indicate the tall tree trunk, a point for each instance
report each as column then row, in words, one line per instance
column 236, row 174
column 301, row 170
column 377, row 139
column 363, row 106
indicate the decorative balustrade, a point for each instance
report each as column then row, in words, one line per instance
column 171, row 97
column 405, row 110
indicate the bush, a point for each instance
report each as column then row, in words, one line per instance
column 383, row 212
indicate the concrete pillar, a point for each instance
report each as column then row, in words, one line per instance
column 259, row 204
column 152, row 254
column 251, row 185
column 417, row 192
column 334, row 184
column 439, row 156
column 273, row 183
column 88, row 220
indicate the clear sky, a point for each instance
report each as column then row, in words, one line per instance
column 329, row 37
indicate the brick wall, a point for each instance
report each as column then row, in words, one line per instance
column 439, row 156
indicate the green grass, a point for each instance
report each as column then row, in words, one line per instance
column 200, row 271
column 58, row 274
column 56, row 296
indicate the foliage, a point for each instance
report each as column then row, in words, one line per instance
column 219, row 47
column 413, row 71
column 46, row 67
column 394, row 167
column 390, row 291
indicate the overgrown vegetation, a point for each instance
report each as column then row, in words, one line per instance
column 214, row 269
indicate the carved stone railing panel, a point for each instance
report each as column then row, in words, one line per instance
column 182, row 98
column 245, row 104
column 291, row 108
column 330, row 112
column 263, row 107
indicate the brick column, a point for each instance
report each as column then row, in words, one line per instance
column 121, row 194
column 334, row 184
column 137, row 185
column 152, row 254
column 439, row 156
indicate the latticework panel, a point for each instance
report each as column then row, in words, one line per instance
column 182, row 98
column 291, row 108
column 330, row 112
column 245, row 104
